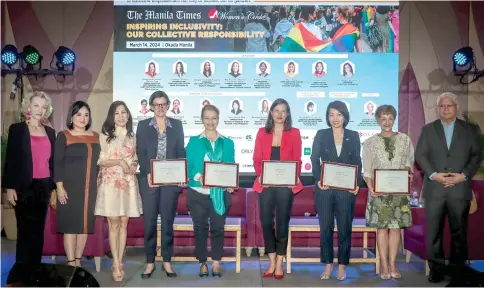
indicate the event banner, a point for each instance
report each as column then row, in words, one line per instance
column 242, row 57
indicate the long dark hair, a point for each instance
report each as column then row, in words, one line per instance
column 73, row 109
column 270, row 120
column 109, row 126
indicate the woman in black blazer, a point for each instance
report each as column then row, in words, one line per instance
column 338, row 145
column 27, row 177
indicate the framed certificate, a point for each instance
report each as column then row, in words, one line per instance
column 279, row 173
column 392, row 181
column 169, row 171
column 339, row 176
column 220, row 174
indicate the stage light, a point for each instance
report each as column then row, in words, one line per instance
column 463, row 62
column 65, row 56
column 460, row 58
column 9, row 55
column 31, row 55
column 463, row 56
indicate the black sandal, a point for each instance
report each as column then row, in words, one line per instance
column 205, row 273
column 69, row 261
column 216, row 274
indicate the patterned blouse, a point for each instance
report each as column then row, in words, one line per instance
column 161, row 150
column 396, row 152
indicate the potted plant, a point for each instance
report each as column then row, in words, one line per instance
column 9, row 221
column 480, row 172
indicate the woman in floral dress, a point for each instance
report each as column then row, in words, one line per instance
column 388, row 213
column 118, row 196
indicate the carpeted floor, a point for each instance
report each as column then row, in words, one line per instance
column 303, row 275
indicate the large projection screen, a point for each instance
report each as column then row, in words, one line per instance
column 242, row 57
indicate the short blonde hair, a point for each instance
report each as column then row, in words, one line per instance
column 210, row 107
column 28, row 101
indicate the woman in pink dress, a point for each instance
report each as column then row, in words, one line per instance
column 118, row 195
column 396, row 26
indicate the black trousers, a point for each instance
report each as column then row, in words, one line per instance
column 457, row 211
column 204, row 219
column 30, row 211
column 163, row 201
column 279, row 199
column 328, row 203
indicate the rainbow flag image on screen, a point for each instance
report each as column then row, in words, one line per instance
column 300, row 39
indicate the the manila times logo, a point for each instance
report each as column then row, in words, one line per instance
column 213, row 14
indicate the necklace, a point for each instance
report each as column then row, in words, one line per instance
column 33, row 126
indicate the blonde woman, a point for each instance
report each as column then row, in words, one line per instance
column 208, row 206
column 27, row 176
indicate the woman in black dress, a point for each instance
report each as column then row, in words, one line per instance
column 75, row 173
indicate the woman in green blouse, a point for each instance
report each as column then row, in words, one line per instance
column 208, row 203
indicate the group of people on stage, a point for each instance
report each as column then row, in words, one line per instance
column 95, row 174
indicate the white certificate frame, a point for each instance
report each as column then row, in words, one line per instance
column 213, row 180
column 265, row 177
column 348, row 170
column 175, row 171
column 394, row 190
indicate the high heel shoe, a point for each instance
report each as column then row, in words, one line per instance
column 385, row 276
column 79, row 262
column 269, row 274
column 121, row 268
column 148, row 275
column 169, row 274
column 117, row 276
column 343, row 277
column 396, row 275
column 278, row 277
column 70, row 261
column 203, row 272
column 327, row 276
column 216, row 274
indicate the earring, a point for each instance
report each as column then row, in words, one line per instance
column 27, row 115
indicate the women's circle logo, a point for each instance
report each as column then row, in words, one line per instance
column 213, row 14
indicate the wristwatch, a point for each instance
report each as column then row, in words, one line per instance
column 465, row 177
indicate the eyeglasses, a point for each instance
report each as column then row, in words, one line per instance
column 164, row 105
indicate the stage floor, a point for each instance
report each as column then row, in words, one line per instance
column 303, row 275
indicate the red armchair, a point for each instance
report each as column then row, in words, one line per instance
column 304, row 204
column 243, row 206
column 97, row 244
column 415, row 237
